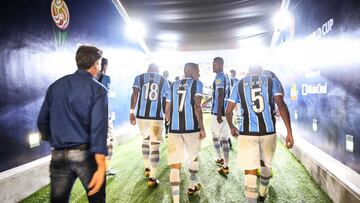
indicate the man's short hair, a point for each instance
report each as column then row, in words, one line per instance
column 233, row 71
column 86, row 56
column 153, row 67
column 166, row 74
column 191, row 66
column 219, row 60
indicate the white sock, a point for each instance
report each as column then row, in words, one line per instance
column 264, row 180
column 251, row 191
column 146, row 152
column 154, row 158
column 226, row 150
column 175, row 184
column 217, row 147
column 193, row 169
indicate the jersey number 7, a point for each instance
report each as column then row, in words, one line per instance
column 182, row 101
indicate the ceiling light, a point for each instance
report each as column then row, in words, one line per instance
column 135, row 30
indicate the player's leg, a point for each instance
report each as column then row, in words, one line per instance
column 156, row 128
column 193, row 144
column 175, row 158
column 225, row 134
column 216, row 139
column 267, row 150
column 248, row 159
column 145, row 147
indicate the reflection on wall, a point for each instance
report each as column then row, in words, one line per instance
column 323, row 88
column 35, row 52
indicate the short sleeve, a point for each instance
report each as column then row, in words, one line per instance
column 136, row 82
column 165, row 89
column 276, row 88
column 168, row 95
column 199, row 88
column 234, row 94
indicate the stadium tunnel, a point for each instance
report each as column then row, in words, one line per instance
column 312, row 46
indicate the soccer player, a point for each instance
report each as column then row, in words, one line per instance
column 148, row 90
column 219, row 128
column 233, row 78
column 257, row 138
column 105, row 80
column 166, row 75
column 186, row 131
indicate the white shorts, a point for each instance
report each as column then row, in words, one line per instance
column 178, row 143
column 152, row 128
column 252, row 149
column 220, row 130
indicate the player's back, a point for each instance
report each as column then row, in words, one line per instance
column 221, row 81
column 152, row 87
column 256, row 94
column 183, row 118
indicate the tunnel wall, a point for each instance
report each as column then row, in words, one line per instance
column 327, row 95
column 35, row 51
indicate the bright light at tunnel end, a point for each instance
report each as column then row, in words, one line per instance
column 135, row 30
column 282, row 20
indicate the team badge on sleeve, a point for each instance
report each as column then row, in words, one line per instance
column 218, row 81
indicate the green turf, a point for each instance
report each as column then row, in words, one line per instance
column 291, row 182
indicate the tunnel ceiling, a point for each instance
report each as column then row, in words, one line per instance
column 192, row 25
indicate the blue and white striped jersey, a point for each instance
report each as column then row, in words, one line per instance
column 255, row 93
column 152, row 88
column 273, row 76
column 221, row 81
column 233, row 81
column 182, row 100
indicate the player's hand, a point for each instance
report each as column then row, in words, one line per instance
column 203, row 105
column 289, row 141
column 132, row 119
column 96, row 181
column 202, row 134
column 219, row 119
column 234, row 132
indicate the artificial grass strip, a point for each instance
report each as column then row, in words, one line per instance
column 290, row 183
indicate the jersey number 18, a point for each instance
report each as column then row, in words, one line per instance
column 151, row 91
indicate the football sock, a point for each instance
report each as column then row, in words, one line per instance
column 217, row 147
column 146, row 152
column 175, row 184
column 251, row 191
column 193, row 169
column 226, row 149
column 264, row 180
column 154, row 158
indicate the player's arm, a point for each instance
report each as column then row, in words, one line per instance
column 199, row 116
column 285, row 115
column 229, row 118
column 220, row 104
column 134, row 97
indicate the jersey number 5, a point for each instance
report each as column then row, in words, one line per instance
column 153, row 94
column 256, row 96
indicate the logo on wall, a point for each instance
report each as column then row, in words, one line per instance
column 61, row 16
column 317, row 88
